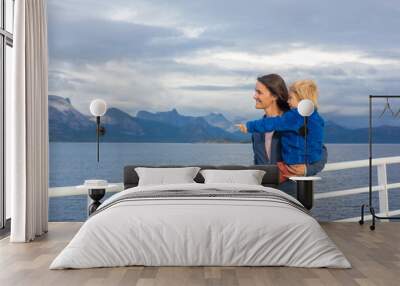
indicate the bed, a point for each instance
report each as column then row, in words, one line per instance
column 197, row 224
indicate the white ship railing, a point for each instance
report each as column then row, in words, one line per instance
column 382, row 188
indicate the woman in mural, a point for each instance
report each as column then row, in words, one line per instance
column 271, row 95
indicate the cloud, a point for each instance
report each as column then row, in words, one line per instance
column 301, row 57
column 126, row 85
column 204, row 56
column 217, row 87
column 143, row 14
column 102, row 40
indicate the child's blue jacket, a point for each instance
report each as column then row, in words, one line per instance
column 292, row 140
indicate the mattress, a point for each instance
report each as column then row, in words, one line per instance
column 201, row 225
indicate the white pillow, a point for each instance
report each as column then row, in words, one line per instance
column 248, row 177
column 165, row 176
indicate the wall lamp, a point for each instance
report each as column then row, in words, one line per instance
column 98, row 108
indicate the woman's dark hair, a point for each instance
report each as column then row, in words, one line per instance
column 277, row 86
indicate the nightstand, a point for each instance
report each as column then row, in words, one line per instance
column 95, row 193
column 305, row 190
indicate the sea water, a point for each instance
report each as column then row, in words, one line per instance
column 73, row 163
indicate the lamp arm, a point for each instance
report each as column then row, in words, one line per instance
column 305, row 139
column 98, row 137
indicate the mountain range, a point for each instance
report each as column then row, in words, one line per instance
column 67, row 124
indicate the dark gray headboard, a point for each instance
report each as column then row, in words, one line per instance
column 271, row 177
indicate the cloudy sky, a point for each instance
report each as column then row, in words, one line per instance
column 204, row 56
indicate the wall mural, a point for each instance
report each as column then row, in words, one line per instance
column 177, row 77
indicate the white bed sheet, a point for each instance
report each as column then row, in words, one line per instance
column 200, row 231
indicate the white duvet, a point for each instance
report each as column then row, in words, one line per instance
column 200, row 231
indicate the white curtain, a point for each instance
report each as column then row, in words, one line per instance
column 27, row 119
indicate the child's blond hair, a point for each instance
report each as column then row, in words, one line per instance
column 305, row 89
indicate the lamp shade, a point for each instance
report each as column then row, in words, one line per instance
column 98, row 107
column 305, row 107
